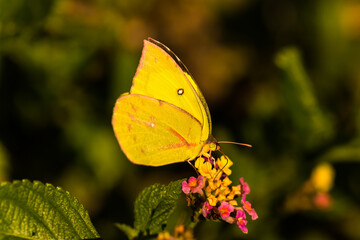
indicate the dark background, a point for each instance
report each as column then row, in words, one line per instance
column 281, row 75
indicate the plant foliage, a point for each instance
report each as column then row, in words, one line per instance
column 153, row 207
column 33, row 210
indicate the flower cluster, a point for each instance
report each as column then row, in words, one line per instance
column 314, row 192
column 180, row 233
column 211, row 195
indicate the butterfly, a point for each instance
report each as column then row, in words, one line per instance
column 165, row 118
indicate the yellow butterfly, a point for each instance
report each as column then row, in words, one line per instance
column 164, row 119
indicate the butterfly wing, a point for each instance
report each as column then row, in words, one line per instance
column 163, row 76
column 153, row 132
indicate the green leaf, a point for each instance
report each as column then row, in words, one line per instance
column 312, row 124
column 343, row 153
column 4, row 163
column 23, row 13
column 33, row 210
column 130, row 232
column 154, row 206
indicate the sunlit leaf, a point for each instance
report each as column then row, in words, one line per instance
column 129, row 231
column 33, row 210
column 154, row 205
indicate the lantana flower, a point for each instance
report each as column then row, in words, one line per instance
column 314, row 193
column 225, row 209
column 205, row 168
column 194, row 185
column 249, row 210
column 224, row 164
column 241, row 220
column 244, row 188
column 212, row 196
column 212, row 200
column 206, row 209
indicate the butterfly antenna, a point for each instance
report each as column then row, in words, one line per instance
column 227, row 160
column 236, row 143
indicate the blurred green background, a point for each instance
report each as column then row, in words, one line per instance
column 281, row 75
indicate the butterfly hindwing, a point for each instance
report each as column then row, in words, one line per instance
column 154, row 132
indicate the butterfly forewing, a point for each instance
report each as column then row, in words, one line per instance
column 160, row 76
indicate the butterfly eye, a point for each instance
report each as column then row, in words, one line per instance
column 180, row 91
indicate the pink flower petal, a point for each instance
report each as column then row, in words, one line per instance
column 249, row 210
column 185, row 187
column 241, row 221
column 206, row 209
column 194, row 185
column 245, row 189
column 225, row 209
